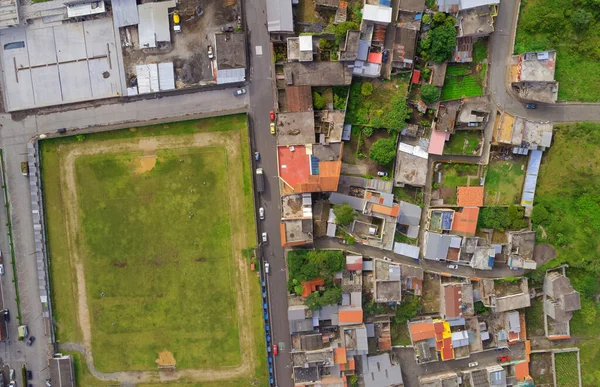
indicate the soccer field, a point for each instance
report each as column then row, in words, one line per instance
column 146, row 231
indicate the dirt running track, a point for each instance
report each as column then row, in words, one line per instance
column 230, row 140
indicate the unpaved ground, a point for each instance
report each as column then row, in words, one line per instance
column 231, row 142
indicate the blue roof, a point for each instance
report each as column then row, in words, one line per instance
column 418, row 16
column 387, row 3
column 447, row 220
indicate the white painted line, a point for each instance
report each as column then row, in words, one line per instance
column 258, row 50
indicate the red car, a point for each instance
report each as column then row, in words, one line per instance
column 275, row 349
column 272, row 115
column 503, row 359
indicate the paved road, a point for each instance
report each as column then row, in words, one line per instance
column 430, row 266
column 501, row 47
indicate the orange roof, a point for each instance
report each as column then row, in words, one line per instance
column 522, row 371
column 375, row 57
column 465, row 221
column 311, row 286
column 447, row 350
column 339, row 356
column 421, row 331
column 294, row 170
column 349, row 316
column 470, row 196
column 351, row 365
column 390, row 211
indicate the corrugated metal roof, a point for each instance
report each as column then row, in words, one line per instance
column 166, row 76
column 356, row 203
column 231, row 76
column 147, row 77
column 533, row 168
column 125, row 13
column 363, row 50
column 377, row 13
column 154, row 23
column 279, row 16
column 346, row 132
column 468, row 4
column 406, row 250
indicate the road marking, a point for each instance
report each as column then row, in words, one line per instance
column 258, row 50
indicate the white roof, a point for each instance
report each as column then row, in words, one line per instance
column 147, row 76
column 231, row 76
column 377, row 13
column 305, row 43
column 125, row 13
column 279, row 16
column 406, row 250
column 166, row 76
column 467, row 4
column 85, row 9
column 413, row 150
column 154, row 23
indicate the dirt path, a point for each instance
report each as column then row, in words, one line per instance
column 240, row 234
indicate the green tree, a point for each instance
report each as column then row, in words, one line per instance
column 383, row 151
column 313, row 301
column 494, row 217
column 341, row 29
column 408, row 308
column 581, row 19
column 318, row 101
column 439, row 18
column 426, row 19
column 516, row 214
column 344, row 213
column 366, row 89
column 540, row 214
column 430, row 93
column 443, row 42
column 480, row 308
column 331, row 296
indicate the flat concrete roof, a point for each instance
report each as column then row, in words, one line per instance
column 230, row 50
column 317, row 74
column 475, row 21
column 538, row 66
column 410, row 169
column 296, row 128
column 61, row 372
column 9, row 13
column 68, row 63
column 154, row 23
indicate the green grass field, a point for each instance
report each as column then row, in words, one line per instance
column 158, row 245
column 504, row 181
column 463, row 142
column 552, row 25
column 566, row 369
column 462, row 81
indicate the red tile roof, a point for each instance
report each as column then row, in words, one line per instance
column 522, row 371
column 294, row 170
column 470, row 196
column 465, row 221
column 447, row 350
column 416, row 76
column 451, row 295
column 350, row 316
column 421, row 331
column 353, row 262
column 311, row 286
column 375, row 57
column 390, row 211
column 339, row 356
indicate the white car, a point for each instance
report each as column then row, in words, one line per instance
column 474, row 364
column 267, row 267
column 261, row 213
column 1, row 269
column 381, row 173
column 264, row 237
column 454, row 267
column 387, row 259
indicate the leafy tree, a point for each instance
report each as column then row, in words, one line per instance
column 366, row 89
column 439, row 18
column 540, row 214
column 344, row 213
column 430, row 93
column 313, row 301
column 480, row 308
column 516, row 214
column 426, row 73
column 330, row 296
column 443, row 42
column 383, row 151
column 493, row 217
column 340, row 30
column 408, row 308
column 581, row 19
column 426, row 19
column 318, row 101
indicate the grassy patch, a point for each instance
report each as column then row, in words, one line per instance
column 567, row 374
column 464, row 142
column 480, row 52
column 400, row 334
column 560, row 25
column 534, row 318
column 307, row 12
column 504, row 181
column 409, row 194
column 463, row 81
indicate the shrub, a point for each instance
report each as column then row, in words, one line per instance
column 540, row 214
column 430, row 93
column 344, row 213
column 426, row 19
column 366, row 89
column 383, row 151
column 367, row 131
column 318, row 101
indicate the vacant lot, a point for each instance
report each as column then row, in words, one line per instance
column 141, row 237
column 463, row 80
column 504, row 181
column 571, row 28
column 464, row 142
column 567, row 374
column 453, row 176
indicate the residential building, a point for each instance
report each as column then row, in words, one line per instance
column 230, row 56
column 388, row 282
column 280, row 18
column 61, row 371
column 532, row 76
column 404, row 47
column 379, row 371
column 476, row 22
column 560, row 301
column 503, row 296
column 456, row 301
column 317, row 74
column 411, row 165
column 310, row 167
column 296, row 226
column 300, row 48
column 448, row 379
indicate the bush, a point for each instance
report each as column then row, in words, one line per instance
column 330, row 296
column 540, row 214
column 493, row 217
column 305, row 265
column 430, row 93
column 344, row 213
column 581, row 19
column 366, row 89
column 318, row 101
column 408, row 308
column 443, row 42
column 383, row 151
column 367, row 131
column 425, row 123
column 426, row 19
column 426, row 73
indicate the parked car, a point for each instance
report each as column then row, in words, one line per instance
column 256, row 156
column 227, row 29
column 530, row 106
column 264, row 237
column 29, row 375
column 474, row 364
column 381, row 173
column 272, row 115
column 6, row 315
column 267, row 267
column 275, row 349
column 503, row 359
column 1, row 269
column 30, row 341
column 211, row 54
column 261, row 213
column 384, row 57
column 272, row 126
column 11, row 374
column 454, row 267
column 239, row 92
column 48, row 383
column 387, row 259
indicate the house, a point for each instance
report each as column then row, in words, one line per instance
column 445, row 116
column 437, row 142
column 483, row 258
column 411, row 165
column 412, row 280
column 473, row 114
column 532, row 76
column 502, row 296
column 465, row 221
column 438, row 74
column 354, row 262
column 409, row 219
column 379, row 371
column 448, row 379
column 349, row 51
column 436, row 246
column 298, row 99
column 377, row 13
column 469, row 196
column 61, row 371
column 496, row 376
column 560, row 301
column 522, row 135
column 230, row 57
column 297, row 128
column 531, row 176
column 476, row 22
column 388, row 282
column 404, row 47
column 521, row 245
column 296, row 226
column 453, row 6
column 280, row 18
column 456, row 301
column 300, row 48
column 317, row 74
column 310, row 168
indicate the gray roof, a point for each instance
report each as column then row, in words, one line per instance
column 467, row 4
column 154, row 23
column 436, row 246
column 514, row 323
column 363, row 50
column 166, row 76
column 410, row 214
column 304, row 325
column 9, row 17
column 497, row 375
column 378, row 371
column 406, row 250
column 125, row 13
column 356, row 203
column 346, row 132
column 297, row 312
column 231, row 76
column 308, row 374
column 370, row 329
column 279, row 16
column 61, row 372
